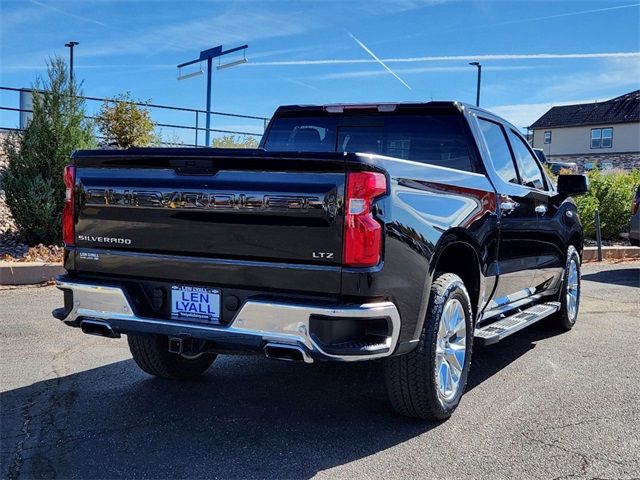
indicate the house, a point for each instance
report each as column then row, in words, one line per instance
column 600, row 134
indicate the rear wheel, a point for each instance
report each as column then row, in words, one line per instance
column 566, row 317
column 151, row 353
column 429, row 381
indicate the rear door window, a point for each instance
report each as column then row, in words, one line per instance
column 498, row 147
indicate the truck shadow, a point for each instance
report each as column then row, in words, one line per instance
column 247, row 417
column 629, row 277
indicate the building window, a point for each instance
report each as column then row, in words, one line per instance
column 547, row 136
column 601, row 137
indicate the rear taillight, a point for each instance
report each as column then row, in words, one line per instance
column 68, row 214
column 634, row 206
column 362, row 233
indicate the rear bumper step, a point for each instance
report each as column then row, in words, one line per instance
column 496, row 331
column 257, row 324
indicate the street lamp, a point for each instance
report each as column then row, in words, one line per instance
column 477, row 64
column 71, row 45
column 209, row 55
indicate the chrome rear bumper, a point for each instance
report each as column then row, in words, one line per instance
column 256, row 324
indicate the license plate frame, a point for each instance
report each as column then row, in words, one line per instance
column 196, row 304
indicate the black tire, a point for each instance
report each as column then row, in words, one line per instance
column 411, row 378
column 634, row 242
column 564, row 319
column 151, row 353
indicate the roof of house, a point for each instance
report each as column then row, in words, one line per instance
column 622, row 109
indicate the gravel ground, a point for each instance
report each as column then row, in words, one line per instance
column 539, row 405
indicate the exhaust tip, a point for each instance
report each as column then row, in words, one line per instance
column 98, row 328
column 288, row 353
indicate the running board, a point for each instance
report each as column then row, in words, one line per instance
column 496, row 331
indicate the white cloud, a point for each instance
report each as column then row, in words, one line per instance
column 299, row 83
column 386, row 7
column 15, row 19
column 616, row 74
column 229, row 27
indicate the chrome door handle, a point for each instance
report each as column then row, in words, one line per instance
column 508, row 207
column 541, row 209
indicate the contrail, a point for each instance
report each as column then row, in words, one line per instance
column 568, row 14
column 447, row 58
column 69, row 14
column 364, row 47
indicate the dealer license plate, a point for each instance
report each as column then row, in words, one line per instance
column 198, row 303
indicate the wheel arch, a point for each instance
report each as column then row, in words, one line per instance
column 576, row 240
column 457, row 252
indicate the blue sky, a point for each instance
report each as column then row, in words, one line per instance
column 534, row 53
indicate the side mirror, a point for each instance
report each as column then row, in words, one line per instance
column 570, row 185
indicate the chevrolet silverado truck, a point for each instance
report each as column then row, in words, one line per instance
column 401, row 232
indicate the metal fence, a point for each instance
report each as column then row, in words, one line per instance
column 185, row 123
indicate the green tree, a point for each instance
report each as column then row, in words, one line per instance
column 124, row 124
column 233, row 141
column 32, row 179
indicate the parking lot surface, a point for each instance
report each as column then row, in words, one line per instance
column 539, row 405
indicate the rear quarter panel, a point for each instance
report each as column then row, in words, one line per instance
column 425, row 204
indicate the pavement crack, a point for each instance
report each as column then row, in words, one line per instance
column 17, row 459
column 585, row 461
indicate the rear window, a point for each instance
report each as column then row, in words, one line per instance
column 434, row 139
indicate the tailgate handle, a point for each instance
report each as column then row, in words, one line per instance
column 193, row 167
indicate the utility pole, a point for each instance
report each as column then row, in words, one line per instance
column 71, row 45
column 477, row 64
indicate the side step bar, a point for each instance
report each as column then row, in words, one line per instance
column 496, row 331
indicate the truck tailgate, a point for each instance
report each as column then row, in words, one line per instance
column 249, row 206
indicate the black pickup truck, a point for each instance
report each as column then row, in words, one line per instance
column 402, row 232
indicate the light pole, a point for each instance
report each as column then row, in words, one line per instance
column 209, row 55
column 477, row 64
column 71, row 45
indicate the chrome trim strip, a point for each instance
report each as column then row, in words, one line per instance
column 272, row 322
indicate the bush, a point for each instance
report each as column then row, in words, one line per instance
column 231, row 141
column 32, row 179
column 611, row 193
column 124, row 124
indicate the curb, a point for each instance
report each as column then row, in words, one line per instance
column 590, row 254
column 26, row 273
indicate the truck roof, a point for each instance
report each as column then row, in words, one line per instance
column 380, row 106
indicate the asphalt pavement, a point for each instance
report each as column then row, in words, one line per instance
column 539, row 405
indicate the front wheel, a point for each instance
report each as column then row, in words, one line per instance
column 429, row 381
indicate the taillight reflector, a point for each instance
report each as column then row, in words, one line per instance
column 362, row 233
column 68, row 212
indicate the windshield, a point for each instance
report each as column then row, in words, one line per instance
column 434, row 139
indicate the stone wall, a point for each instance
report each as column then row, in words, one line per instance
column 604, row 161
